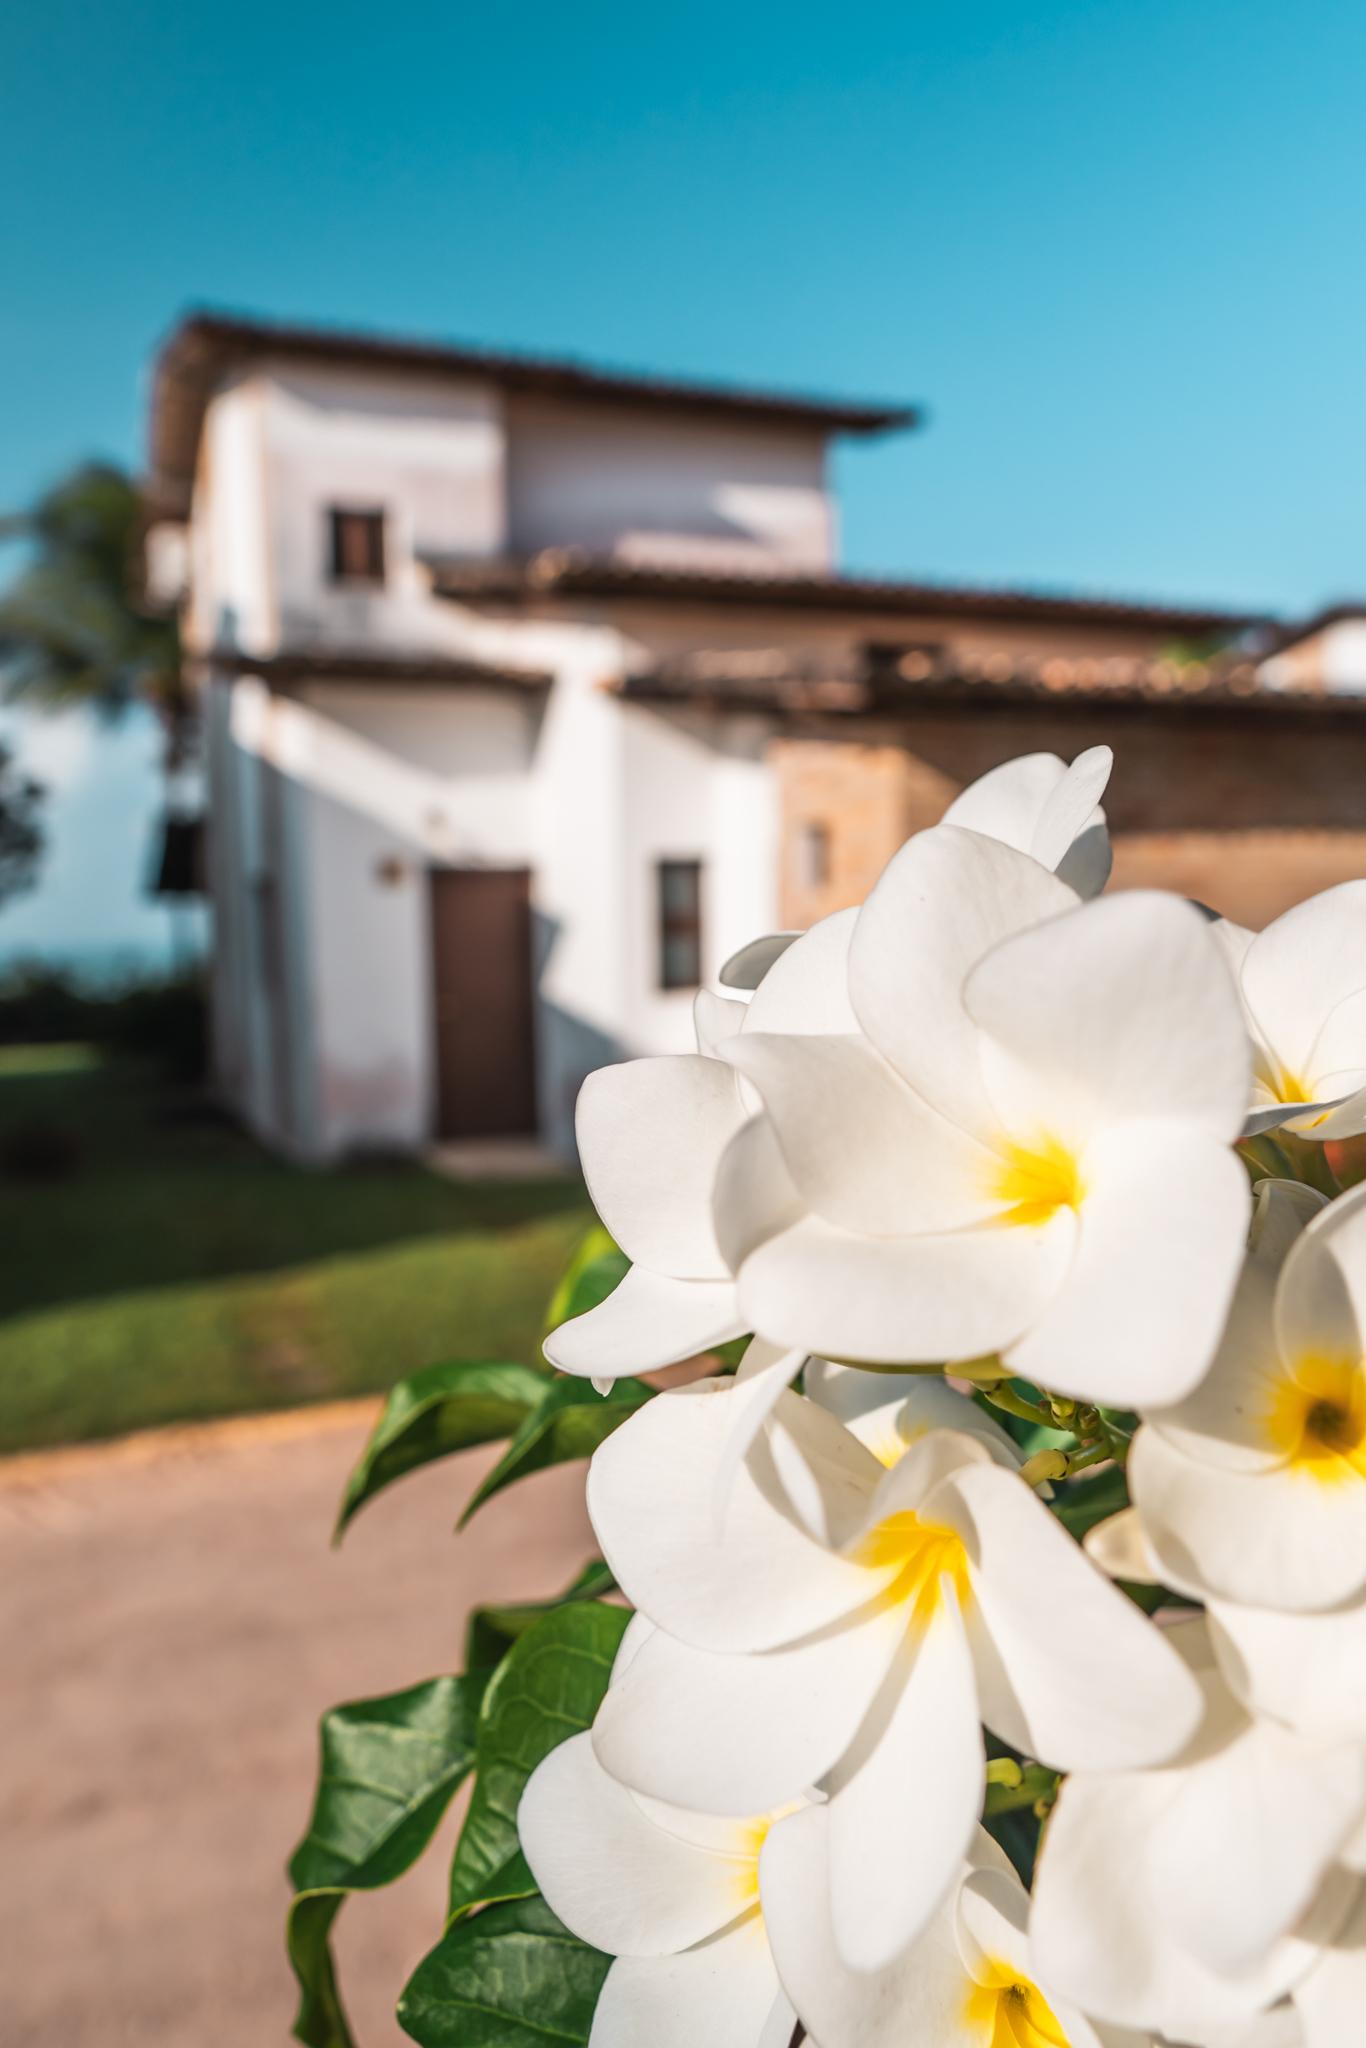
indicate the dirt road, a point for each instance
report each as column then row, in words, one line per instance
column 173, row 1624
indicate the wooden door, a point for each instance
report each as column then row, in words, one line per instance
column 485, row 1043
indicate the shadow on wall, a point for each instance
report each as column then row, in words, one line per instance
column 568, row 1047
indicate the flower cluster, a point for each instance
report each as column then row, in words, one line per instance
column 1026, row 1199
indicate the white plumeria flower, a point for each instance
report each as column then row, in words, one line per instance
column 1027, row 1148
column 1192, row 1897
column 1253, row 1489
column 965, row 1982
column 849, row 1626
column 651, row 1132
column 1303, row 984
column 674, row 1896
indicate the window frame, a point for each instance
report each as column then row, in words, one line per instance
column 373, row 519
column 673, row 925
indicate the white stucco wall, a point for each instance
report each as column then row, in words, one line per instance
column 695, row 787
column 1333, row 659
column 229, row 548
column 429, row 455
column 639, row 483
column 392, row 782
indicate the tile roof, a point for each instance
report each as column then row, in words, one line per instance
column 206, row 345
column 574, row 572
column 881, row 681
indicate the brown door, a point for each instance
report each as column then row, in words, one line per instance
column 485, row 1052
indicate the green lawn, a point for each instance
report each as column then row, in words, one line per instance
column 174, row 1270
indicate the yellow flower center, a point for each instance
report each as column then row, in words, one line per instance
column 1033, row 1182
column 1006, row 2010
column 1291, row 1088
column 920, row 1555
column 1317, row 1419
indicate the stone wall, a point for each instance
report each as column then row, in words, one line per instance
column 1249, row 810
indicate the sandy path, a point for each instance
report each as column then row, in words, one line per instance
column 173, row 1625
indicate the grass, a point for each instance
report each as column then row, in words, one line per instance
column 176, row 1271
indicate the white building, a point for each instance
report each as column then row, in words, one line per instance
column 529, row 694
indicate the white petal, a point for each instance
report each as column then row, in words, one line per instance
column 714, row 1018
column 1123, row 1008
column 639, row 1629
column 759, row 1582
column 1238, row 1855
column 1321, row 1301
column 1086, row 865
column 1223, row 1421
column 743, row 1734
column 764, row 1372
column 1313, row 1115
column 1307, row 1670
column 721, row 1993
column 1278, row 1538
column 826, row 1475
column 1008, row 801
column 1347, row 1120
column 807, row 987
column 1330, row 2000
column 648, row 1321
column 1120, row 1549
column 754, row 1198
column 617, row 1879
column 888, row 1410
column 650, row 1135
column 905, row 1797
column 943, row 901
column 918, row 1999
column 1104, row 1691
column 1071, row 806
column 1297, row 971
column 1159, row 1250
column 864, row 1151
column 907, row 1300
column 1095, row 1928
column 747, row 967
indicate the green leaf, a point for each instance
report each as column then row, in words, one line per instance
column 389, row 1768
column 547, row 1688
column 570, row 1420
column 511, row 1977
column 320, row 2021
column 493, row 1630
column 443, row 1408
column 595, row 1269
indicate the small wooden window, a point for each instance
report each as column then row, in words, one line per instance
column 813, row 855
column 680, row 923
column 357, row 545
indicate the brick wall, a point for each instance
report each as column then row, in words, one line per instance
column 1249, row 811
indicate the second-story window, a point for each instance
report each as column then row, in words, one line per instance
column 679, row 885
column 356, row 553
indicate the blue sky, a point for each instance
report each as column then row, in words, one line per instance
column 1116, row 249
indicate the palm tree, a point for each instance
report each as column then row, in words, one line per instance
column 74, row 628
column 21, row 834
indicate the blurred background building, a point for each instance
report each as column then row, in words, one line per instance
column 529, row 692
